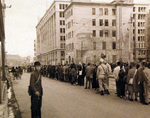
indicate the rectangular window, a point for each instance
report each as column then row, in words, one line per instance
column 113, row 33
column 106, row 11
column 113, row 11
column 60, row 22
column 93, row 11
column 106, row 23
column 113, row 22
column 61, row 14
column 114, row 45
column 133, row 31
column 139, row 38
column 133, row 9
column 106, row 33
column 62, row 53
column 133, row 24
column 114, row 58
column 133, row 16
column 101, row 33
column 94, row 45
column 93, row 22
column 104, row 45
column 63, row 22
column 100, row 11
column 94, row 33
column 60, row 6
column 101, row 22
column 138, row 31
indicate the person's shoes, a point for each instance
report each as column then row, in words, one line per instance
column 145, row 103
column 136, row 99
column 102, row 93
column 131, row 99
column 85, row 87
column 107, row 92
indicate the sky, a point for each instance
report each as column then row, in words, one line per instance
column 21, row 20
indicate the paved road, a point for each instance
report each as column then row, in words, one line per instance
column 62, row 100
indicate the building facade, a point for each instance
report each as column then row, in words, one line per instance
column 140, row 22
column 148, row 37
column 96, row 28
column 50, row 44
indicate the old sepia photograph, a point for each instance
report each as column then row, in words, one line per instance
column 74, row 58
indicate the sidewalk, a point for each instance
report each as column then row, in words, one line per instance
column 13, row 106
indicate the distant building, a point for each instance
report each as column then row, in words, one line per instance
column 148, row 37
column 94, row 28
column 15, row 60
column 51, row 34
column 81, row 30
column 140, row 12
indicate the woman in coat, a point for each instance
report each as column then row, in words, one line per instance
column 131, row 74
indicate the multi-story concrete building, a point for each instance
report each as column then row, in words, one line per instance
column 140, row 12
column 94, row 28
column 148, row 37
column 51, row 34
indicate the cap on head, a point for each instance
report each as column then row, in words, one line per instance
column 102, row 60
column 37, row 63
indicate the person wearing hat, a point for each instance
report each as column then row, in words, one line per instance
column 36, row 91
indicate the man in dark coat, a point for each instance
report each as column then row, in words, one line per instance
column 37, row 91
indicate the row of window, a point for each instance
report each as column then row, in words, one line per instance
column 62, row 45
column 141, row 24
column 140, row 9
column 141, row 45
column 141, row 38
column 103, row 22
column 63, row 6
column 62, row 38
column 141, row 16
column 103, row 11
column 62, row 30
column 142, row 52
column 104, row 33
column 62, row 22
column 61, row 14
column 104, row 46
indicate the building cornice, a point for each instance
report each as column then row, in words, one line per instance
column 97, row 3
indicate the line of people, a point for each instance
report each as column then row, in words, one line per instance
column 131, row 80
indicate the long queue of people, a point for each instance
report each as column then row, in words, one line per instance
column 131, row 80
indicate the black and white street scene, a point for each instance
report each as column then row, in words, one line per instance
column 74, row 58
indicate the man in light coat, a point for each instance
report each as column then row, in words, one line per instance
column 102, row 70
column 116, row 76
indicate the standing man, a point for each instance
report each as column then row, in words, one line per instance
column 102, row 71
column 116, row 76
column 36, row 90
column 88, row 72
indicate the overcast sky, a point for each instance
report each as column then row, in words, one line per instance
column 21, row 20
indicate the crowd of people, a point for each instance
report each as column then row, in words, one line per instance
column 17, row 72
column 130, row 78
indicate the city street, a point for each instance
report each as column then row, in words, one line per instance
column 63, row 100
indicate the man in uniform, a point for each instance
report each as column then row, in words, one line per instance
column 37, row 91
